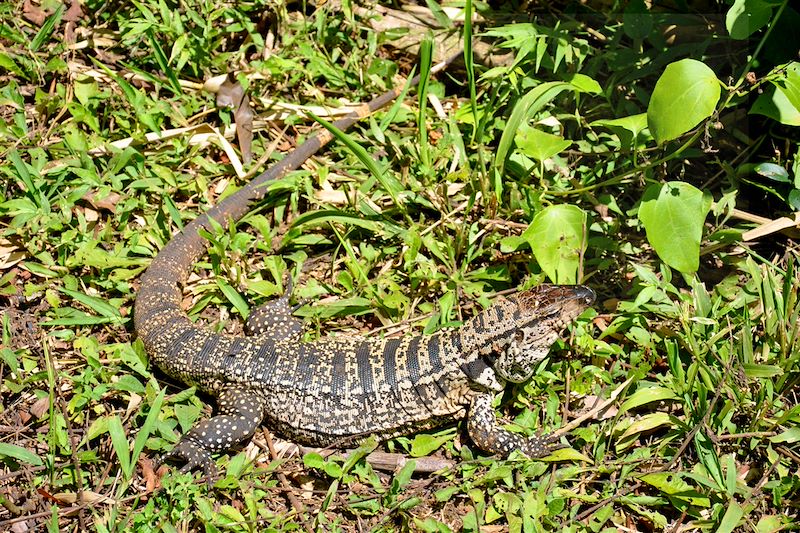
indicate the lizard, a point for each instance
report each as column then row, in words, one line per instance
column 340, row 389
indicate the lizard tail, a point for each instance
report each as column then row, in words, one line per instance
column 157, row 308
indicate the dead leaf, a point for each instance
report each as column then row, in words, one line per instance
column 74, row 13
column 772, row 226
column 244, row 116
column 33, row 13
column 133, row 404
column 10, row 254
column 202, row 134
column 40, row 407
column 90, row 215
column 230, row 93
column 86, row 496
column 231, row 96
column 151, row 480
column 108, row 202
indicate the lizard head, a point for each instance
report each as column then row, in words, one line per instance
column 533, row 320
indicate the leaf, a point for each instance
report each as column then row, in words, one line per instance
column 391, row 186
column 425, row 443
column 119, row 441
column 731, row 518
column 790, row 436
column 538, row 144
column 231, row 95
column 584, row 83
column 525, row 108
column 163, row 63
column 647, row 395
column 673, row 215
column 313, row 460
column 637, row 21
column 673, row 485
column 627, row 128
column 233, row 296
column 147, row 429
column 768, row 170
column 646, row 423
column 557, row 236
column 562, row 455
column 324, row 216
column 781, row 102
column 19, row 453
column 708, row 457
column 745, row 17
column 756, row 371
column 45, row 33
column 685, row 94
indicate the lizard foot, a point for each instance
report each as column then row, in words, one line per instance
column 540, row 445
column 193, row 456
column 489, row 436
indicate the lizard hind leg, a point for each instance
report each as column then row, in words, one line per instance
column 239, row 414
column 489, row 436
column 274, row 319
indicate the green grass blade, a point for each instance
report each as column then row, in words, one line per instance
column 525, row 107
column 163, row 64
column 173, row 210
column 119, row 441
column 425, row 61
column 20, row 454
column 365, row 159
column 233, row 297
column 147, row 429
column 469, row 65
column 731, row 518
column 97, row 305
column 398, row 103
column 46, row 31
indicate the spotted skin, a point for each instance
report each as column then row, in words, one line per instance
column 488, row 435
column 239, row 413
column 340, row 389
column 274, row 319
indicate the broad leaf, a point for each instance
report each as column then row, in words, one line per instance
column 685, row 94
column 781, row 102
column 746, row 17
column 557, row 237
column 525, row 108
column 627, row 129
column 539, row 145
column 673, row 216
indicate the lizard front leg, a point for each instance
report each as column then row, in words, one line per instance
column 240, row 412
column 489, row 436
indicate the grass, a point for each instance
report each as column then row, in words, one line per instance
column 412, row 225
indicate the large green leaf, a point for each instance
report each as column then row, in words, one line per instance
column 673, row 216
column 557, row 237
column 746, row 17
column 782, row 101
column 685, row 94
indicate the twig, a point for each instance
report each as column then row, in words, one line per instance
column 298, row 507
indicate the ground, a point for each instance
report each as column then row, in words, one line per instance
column 650, row 154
